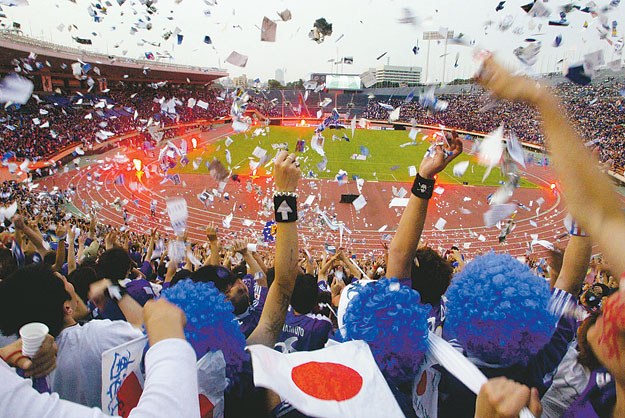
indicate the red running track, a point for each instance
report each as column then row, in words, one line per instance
column 460, row 229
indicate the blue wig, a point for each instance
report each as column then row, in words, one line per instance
column 211, row 325
column 391, row 319
column 497, row 310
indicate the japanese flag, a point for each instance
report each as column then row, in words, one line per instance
column 123, row 380
column 339, row 381
column 121, row 367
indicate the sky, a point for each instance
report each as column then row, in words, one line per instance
column 370, row 28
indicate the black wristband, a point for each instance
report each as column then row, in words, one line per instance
column 423, row 188
column 285, row 208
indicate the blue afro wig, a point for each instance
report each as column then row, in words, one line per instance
column 211, row 325
column 497, row 310
column 391, row 319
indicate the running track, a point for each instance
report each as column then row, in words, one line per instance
column 464, row 230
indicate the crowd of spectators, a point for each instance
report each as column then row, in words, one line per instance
column 555, row 326
column 596, row 110
column 47, row 124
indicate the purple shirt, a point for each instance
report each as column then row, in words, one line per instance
column 323, row 286
column 436, row 317
column 597, row 400
column 146, row 269
column 303, row 332
column 140, row 290
column 249, row 282
column 248, row 320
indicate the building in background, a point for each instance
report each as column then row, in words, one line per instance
column 397, row 76
column 280, row 76
column 337, row 81
column 240, row 81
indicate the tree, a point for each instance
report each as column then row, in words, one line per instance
column 274, row 85
column 295, row 85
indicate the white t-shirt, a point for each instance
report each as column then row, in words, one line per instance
column 78, row 374
column 170, row 389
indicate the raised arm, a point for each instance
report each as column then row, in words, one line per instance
column 93, row 223
column 323, row 271
column 35, row 238
column 171, row 272
column 404, row 244
column 61, row 232
column 110, row 240
column 211, row 234
column 81, row 246
column 104, row 291
column 351, row 265
column 590, row 197
column 574, row 265
column 240, row 246
column 286, row 176
column 71, row 255
column 311, row 264
column 153, row 237
column 260, row 261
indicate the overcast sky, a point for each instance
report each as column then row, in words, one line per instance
column 370, row 28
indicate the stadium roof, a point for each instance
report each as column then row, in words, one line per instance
column 15, row 46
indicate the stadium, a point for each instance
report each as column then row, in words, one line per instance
column 366, row 228
column 444, row 245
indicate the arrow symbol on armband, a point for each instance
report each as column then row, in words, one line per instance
column 284, row 210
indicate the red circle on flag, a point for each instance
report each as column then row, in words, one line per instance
column 327, row 381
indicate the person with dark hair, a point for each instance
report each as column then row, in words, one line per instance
column 81, row 279
column 115, row 265
column 37, row 294
column 34, row 294
column 8, row 264
column 247, row 312
column 430, row 275
column 303, row 330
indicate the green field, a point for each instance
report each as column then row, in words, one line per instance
column 387, row 160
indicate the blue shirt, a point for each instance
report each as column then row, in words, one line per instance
column 306, row 332
column 248, row 320
column 597, row 400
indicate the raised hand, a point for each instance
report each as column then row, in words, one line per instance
column 286, row 172
column 337, row 286
column 71, row 235
column 97, row 293
column 436, row 162
column 240, row 246
column 61, row 229
column 211, row 232
column 505, row 85
column 18, row 221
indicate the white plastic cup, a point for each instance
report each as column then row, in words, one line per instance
column 32, row 336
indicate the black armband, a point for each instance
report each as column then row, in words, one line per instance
column 423, row 188
column 285, row 207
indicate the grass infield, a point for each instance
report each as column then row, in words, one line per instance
column 387, row 160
